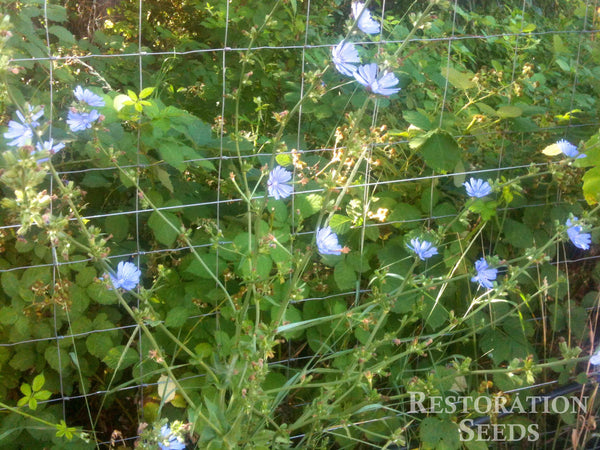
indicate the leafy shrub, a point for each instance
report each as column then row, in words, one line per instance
column 298, row 305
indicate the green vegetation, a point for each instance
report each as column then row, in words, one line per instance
column 243, row 332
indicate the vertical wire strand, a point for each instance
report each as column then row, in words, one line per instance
column 137, row 200
column 444, row 98
column 298, row 147
column 51, row 189
column 368, row 193
column 221, row 135
column 222, row 127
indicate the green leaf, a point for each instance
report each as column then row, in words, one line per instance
column 407, row 215
column 85, row 276
column 10, row 284
column 32, row 404
column 509, row 111
column 56, row 13
column 291, row 316
column 283, row 159
column 38, row 382
column 177, row 316
column 97, row 344
column 203, row 350
column 119, row 358
column 163, row 177
column 558, row 45
column 460, row 80
column 439, row 433
column 591, row 186
column 101, row 294
column 43, row 395
column 23, row 359
column 146, row 92
column 58, row 359
column 118, row 226
column 517, row 234
column 344, row 276
column 163, row 232
column 340, row 224
column 440, row 151
column 25, row 389
column 417, row 119
column 309, row 204
column 211, row 261
column 62, row 34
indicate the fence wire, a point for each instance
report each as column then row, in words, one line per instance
column 369, row 186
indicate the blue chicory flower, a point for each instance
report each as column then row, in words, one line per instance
column 327, row 242
column 423, row 249
column 21, row 133
column 343, row 55
column 477, row 188
column 87, row 96
column 80, row 121
column 569, row 149
column 277, row 185
column 368, row 75
column 365, row 22
column 128, row 276
column 578, row 238
column 485, row 274
column 169, row 440
column 48, row 146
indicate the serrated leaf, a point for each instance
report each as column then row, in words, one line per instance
column 177, row 316
column 440, row 151
column 163, row 232
column 518, row 234
column 163, row 177
column 460, row 80
column 344, row 276
column 340, row 224
column 146, row 92
column 211, row 261
column 56, row 13
column 38, row 382
column 25, row 389
column 43, row 395
column 117, row 226
column 309, row 204
column 509, row 112
column 97, row 344
column 417, row 119
column 58, row 359
column 284, row 159
column 62, row 34
column 101, row 294
column 439, row 433
column 591, row 186
column 23, row 359
column 119, row 358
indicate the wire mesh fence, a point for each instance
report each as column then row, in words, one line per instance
column 128, row 47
